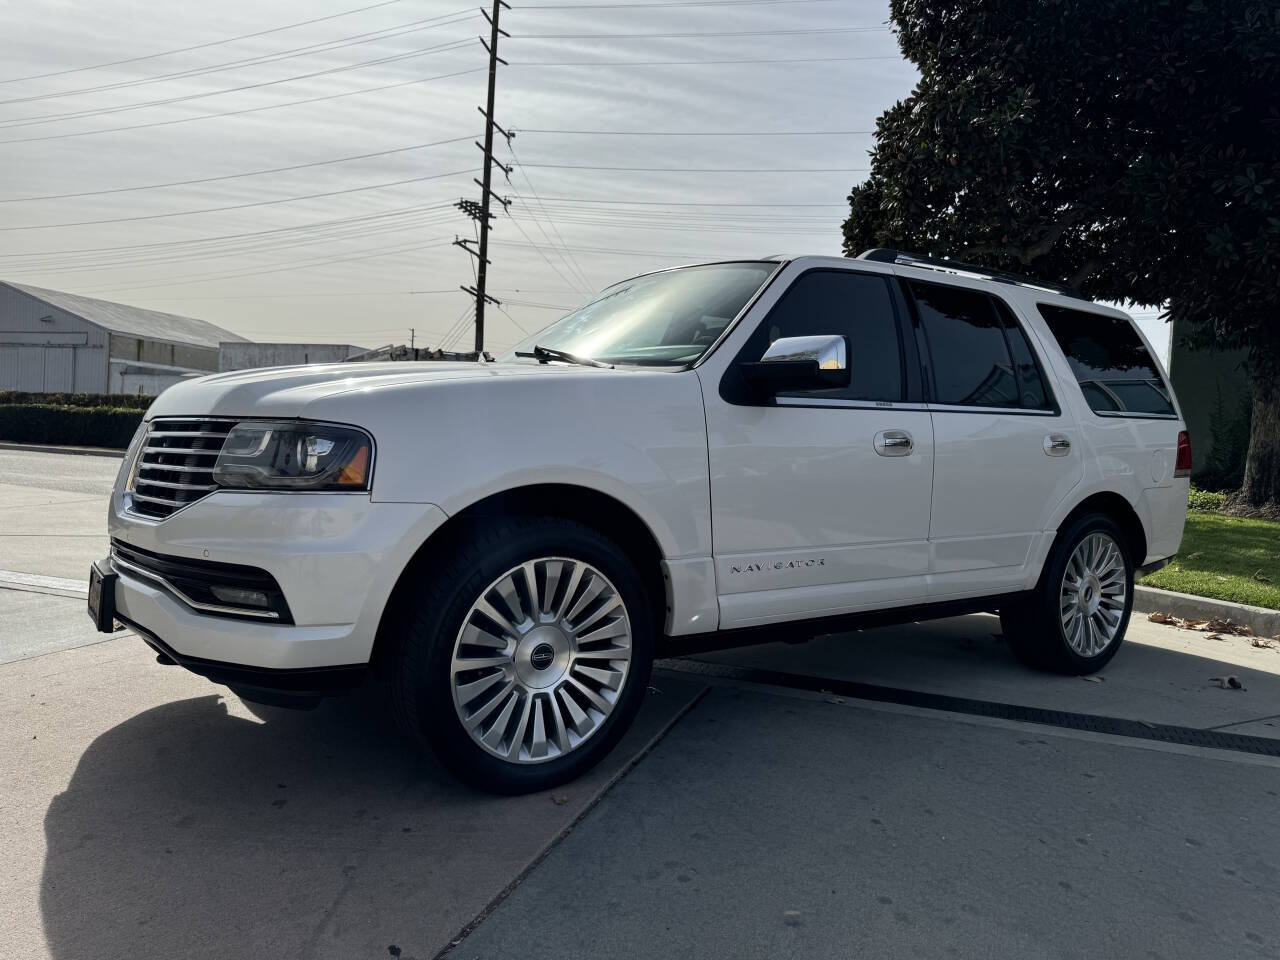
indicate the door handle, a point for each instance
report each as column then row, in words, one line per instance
column 1057, row 445
column 893, row 443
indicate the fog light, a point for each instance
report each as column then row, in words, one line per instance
column 240, row 597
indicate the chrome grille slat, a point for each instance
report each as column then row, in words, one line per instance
column 175, row 466
column 187, row 433
column 206, row 487
column 206, row 451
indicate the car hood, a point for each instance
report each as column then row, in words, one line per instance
column 287, row 391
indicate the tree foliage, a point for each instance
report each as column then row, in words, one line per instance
column 1130, row 148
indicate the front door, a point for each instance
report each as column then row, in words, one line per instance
column 820, row 499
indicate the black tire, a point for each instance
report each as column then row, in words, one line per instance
column 426, row 619
column 1034, row 627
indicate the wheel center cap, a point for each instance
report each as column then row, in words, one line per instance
column 542, row 656
column 1091, row 595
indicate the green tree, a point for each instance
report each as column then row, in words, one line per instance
column 1130, row 148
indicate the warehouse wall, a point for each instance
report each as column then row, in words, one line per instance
column 249, row 356
column 44, row 349
column 165, row 354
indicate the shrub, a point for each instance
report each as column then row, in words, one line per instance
column 70, row 425
column 1207, row 500
column 120, row 401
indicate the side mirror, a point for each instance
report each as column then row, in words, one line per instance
column 800, row 363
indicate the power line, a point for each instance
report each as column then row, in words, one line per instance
column 367, row 255
column 241, row 206
column 700, row 133
column 319, row 224
column 326, row 46
column 210, row 43
column 570, row 260
column 581, row 166
column 715, row 33
column 691, row 63
column 234, row 113
column 234, row 176
column 146, row 104
column 251, row 248
column 668, row 3
column 677, row 203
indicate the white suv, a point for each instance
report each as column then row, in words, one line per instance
column 790, row 446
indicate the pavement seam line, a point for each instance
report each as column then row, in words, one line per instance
column 569, row 827
column 1133, row 729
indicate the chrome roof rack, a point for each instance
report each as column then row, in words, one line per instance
column 887, row 255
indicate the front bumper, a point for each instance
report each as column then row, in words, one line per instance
column 335, row 557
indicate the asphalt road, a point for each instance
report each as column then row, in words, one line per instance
column 145, row 813
column 53, row 511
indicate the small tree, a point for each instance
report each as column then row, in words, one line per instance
column 1128, row 147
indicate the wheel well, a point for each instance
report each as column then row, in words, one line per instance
column 1118, row 509
column 598, row 510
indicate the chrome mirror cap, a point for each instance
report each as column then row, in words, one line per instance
column 829, row 352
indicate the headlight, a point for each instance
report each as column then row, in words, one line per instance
column 294, row 455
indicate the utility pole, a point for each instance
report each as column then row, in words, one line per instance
column 482, row 214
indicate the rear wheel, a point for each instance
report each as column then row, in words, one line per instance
column 526, row 656
column 1075, row 619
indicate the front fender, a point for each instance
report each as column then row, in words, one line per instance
column 637, row 436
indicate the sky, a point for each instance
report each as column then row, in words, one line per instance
column 647, row 133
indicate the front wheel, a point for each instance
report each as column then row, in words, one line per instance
column 527, row 656
column 1075, row 619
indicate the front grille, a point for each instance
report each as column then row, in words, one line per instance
column 175, row 465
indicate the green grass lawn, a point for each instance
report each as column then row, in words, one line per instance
column 1228, row 558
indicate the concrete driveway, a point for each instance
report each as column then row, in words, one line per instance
column 756, row 810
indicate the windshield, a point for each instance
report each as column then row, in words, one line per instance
column 662, row 319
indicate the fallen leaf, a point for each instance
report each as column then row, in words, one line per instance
column 1228, row 682
column 835, row 700
column 559, row 799
column 1194, row 556
column 1263, row 643
column 1216, row 636
column 1194, row 624
column 1095, row 679
column 1158, row 617
column 1261, row 577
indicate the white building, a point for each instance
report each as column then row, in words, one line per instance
column 54, row 342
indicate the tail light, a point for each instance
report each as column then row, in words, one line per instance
column 1182, row 466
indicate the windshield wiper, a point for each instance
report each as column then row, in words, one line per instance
column 547, row 354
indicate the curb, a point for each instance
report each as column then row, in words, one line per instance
column 1263, row 622
column 34, row 583
column 52, row 448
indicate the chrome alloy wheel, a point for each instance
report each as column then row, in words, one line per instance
column 541, row 659
column 1093, row 595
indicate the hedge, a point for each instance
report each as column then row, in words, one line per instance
column 121, row 401
column 70, row 425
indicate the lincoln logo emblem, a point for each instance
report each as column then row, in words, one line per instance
column 542, row 656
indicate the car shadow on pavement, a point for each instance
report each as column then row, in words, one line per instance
column 205, row 829
column 193, row 830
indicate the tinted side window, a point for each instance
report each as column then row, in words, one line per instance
column 1109, row 359
column 1031, row 386
column 970, row 356
column 856, row 305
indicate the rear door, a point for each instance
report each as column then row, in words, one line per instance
column 813, row 513
column 1005, row 452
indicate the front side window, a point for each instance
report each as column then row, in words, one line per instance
column 662, row 319
column 968, row 349
column 1116, row 371
column 858, row 306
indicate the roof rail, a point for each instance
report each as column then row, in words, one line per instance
column 887, row 255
